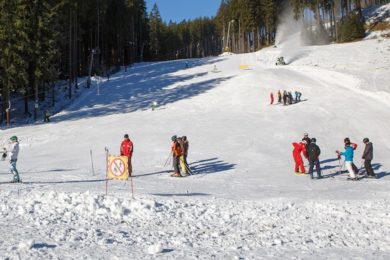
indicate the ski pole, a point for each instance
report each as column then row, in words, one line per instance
column 93, row 170
column 169, row 157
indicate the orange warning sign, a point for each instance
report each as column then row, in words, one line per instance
column 118, row 167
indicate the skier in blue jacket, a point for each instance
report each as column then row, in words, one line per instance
column 348, row 154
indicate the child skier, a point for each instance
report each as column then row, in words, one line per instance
column 298, row 149
column 348, row 154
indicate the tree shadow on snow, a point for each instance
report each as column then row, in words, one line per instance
column 180, row 194
column 141, row 85
column 208, row 166
column 65, row 181
column 43, row 245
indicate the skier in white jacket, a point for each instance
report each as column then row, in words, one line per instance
column 13, row 154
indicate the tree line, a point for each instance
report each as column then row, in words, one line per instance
column 43, row 41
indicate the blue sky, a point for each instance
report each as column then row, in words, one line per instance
column 178, row 10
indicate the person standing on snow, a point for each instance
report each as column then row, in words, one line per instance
column 313, row 153
column 348, row 154
column 127, row 149
column 185, row 145
column 176, row 153
column 13, row 153
column 354, row 146
column 279, row 97
column 298, row 149
column 271, row 95
column 367, row 156
column 284, row 97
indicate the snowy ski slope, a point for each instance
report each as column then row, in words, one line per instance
column 244, row 202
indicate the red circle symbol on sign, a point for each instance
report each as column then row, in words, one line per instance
column 118, row 167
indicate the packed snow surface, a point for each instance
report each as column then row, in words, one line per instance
column 244, row 201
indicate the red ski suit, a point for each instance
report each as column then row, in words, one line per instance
column 298, row 148
column 127, row 150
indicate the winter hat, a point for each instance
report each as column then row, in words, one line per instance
column 173, row 138
column 346, row 139
column 14, row 138
column 126, row 136
column 366, row 140
column 305, row 134
column 313, row 140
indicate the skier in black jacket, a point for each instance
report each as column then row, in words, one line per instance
column 368, row 156
column 313, row 153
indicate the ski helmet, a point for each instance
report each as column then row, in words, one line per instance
column 346, row 139
column 173, row 138
column 366, row 140
column 14, row 138
column 126, row 136
column 313, row 140
column 305, row 134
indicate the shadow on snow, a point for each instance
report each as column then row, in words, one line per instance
column 137, row 88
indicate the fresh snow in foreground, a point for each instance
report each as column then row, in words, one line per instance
column 244, row 202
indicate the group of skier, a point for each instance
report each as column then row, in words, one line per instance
column 311, row 151
column 286, row 97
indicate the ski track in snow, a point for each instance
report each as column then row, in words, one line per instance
column 243, row 202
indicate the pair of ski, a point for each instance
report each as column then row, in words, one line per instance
column 189, row 172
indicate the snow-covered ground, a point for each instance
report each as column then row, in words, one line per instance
column 244, row 202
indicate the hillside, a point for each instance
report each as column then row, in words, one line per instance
column 244, row 200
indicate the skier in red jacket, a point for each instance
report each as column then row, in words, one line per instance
column 127, row 149
column 298, row 149
column 271, row 96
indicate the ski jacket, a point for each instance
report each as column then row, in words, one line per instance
column 127, row 148
column 313, row 152
column 14, row 151
column 298, row 149
column 348, row 154
column 176, row 149
column 368, row 153
column 185, row 147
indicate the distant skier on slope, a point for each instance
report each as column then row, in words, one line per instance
column 279, row 96
column 367, row 157
column 348, row 154
column 313, row 153
column 176, row 153
column 271, row 96
column 284, row 97
column 127, row 149
column 298, row 149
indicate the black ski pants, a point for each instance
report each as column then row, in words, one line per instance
column 368, row 166
column 318, row 168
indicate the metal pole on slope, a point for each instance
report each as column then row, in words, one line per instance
column 106, row 150
column 93, row 170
